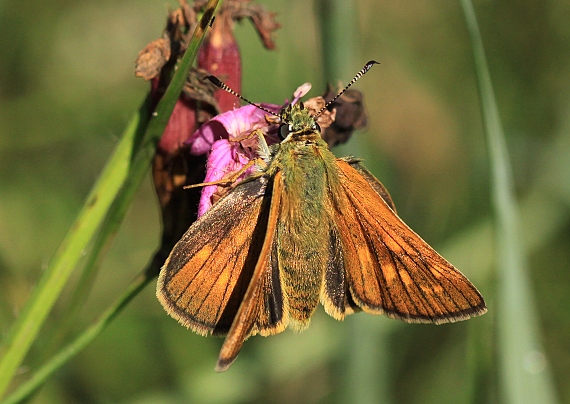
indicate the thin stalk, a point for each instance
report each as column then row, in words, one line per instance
column 127, row 166
column 525, row 377
column 34, row 313
column 26, row 389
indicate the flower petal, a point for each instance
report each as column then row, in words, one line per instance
column 229, row 125
column 225, row 159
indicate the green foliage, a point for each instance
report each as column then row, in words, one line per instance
column 66, row 93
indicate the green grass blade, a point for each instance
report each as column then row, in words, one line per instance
column 127, row 161
column 26, row 389
column 60, row 267
column 525, row 377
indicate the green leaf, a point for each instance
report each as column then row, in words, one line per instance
column 120, row 178
column 523, row 364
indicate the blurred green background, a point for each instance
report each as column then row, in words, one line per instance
column 67, row 90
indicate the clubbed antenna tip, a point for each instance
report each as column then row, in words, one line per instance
column 361, row 73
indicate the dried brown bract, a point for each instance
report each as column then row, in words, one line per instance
column 326, row 118
column 350, row 116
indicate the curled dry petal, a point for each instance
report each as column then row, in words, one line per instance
column 152, row 58
column 265, row 24
column 263, row 20
column 350, row 116
column 326, row 118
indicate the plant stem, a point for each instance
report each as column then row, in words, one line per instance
column 523, row 364
column 127, row 166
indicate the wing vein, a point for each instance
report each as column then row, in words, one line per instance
column 204, row 279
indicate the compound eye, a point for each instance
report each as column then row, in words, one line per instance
column 284, row 130
column 317, row 127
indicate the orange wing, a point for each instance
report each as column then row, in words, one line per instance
column 253, row 316
column 389, row 269
column 372, row 181
column 207, row 274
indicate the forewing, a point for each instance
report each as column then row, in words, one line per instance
column 205, row 278
column 389, row 268
column 261, row 309
column 372, row 181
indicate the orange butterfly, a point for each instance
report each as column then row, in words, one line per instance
column 305, row 228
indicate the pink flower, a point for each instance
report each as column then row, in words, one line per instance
column 230, row 143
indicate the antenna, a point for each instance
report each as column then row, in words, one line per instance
column 216, row 81
column 361, row 73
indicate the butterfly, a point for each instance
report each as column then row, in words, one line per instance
column 305, row 228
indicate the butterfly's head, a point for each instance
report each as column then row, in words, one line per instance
column 297, row 121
